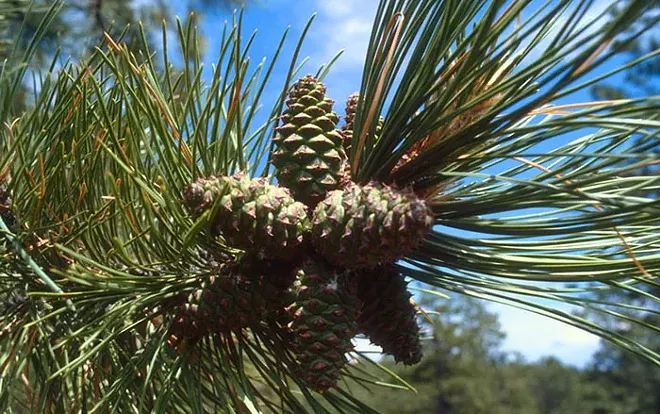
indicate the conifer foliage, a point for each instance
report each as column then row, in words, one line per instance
column 165, row 246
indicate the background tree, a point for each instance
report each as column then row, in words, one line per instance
column 611, row 366
column 629, row 381
column 465, row 371
column 21, row 20
column 93, row 17
column 641, row 79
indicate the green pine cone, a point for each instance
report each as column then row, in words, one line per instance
column 274, row 281
column 349, row 119
column 200, row 195
column 225, row 303
column 309, row 153
column 349, row 122
column 324, row 322
column 191, row 316
column 388, row 317
column 252, row 215
column 364, row 226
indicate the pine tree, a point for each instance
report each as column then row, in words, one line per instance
column 121, row 231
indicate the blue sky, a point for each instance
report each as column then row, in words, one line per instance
column 345, row 25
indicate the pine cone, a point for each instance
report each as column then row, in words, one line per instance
column 252, row 214
column 388, row 317
column 225, row 303
column 349, row 119
column 363, row 226
column 309, row 153
column 324, row 321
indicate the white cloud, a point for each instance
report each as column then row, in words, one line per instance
column 338, row 8
column 364, row 345
column 341, row 25
column 344, row 25
column 536, row 336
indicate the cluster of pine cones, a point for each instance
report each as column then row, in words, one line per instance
column 319, row 248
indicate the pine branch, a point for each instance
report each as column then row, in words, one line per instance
column 526, row 195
